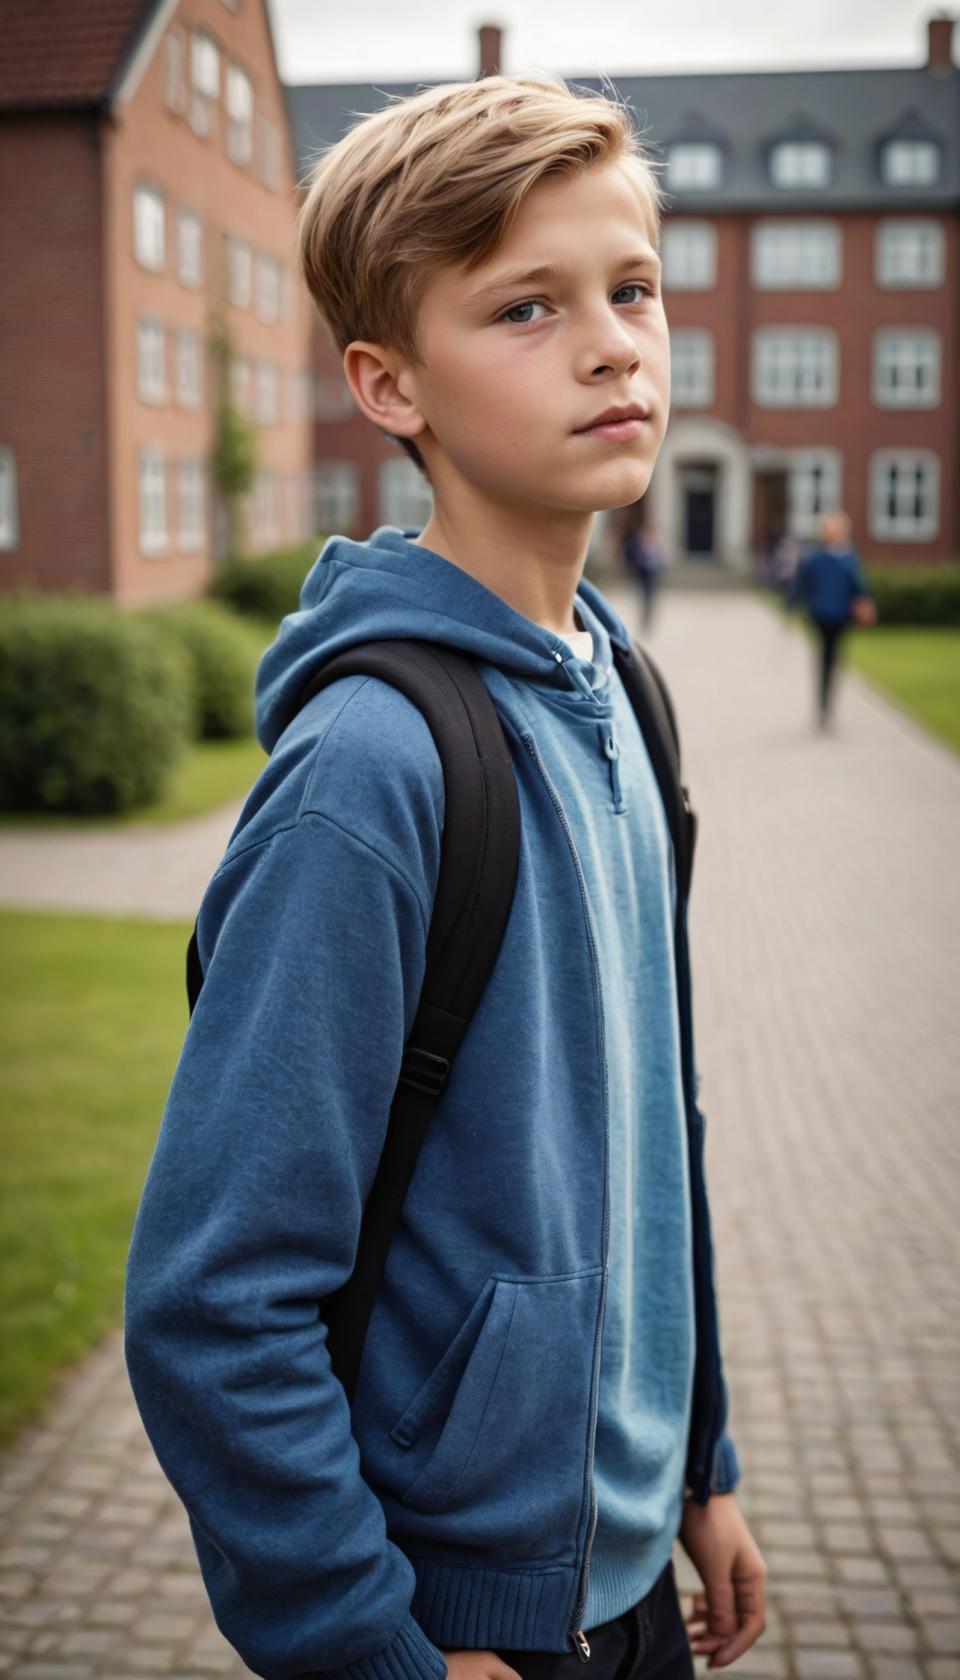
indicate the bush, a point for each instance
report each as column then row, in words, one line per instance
column 224, row 657
column 95, row 708
column 916, row 594
column 268, row 586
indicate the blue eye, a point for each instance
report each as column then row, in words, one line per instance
column 530, row 304
column 534, row 303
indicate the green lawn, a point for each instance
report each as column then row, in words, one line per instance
column 919, row 669
column 93, row 1019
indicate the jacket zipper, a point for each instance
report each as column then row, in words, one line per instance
column 576, row 1634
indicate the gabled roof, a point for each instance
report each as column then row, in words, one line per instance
column 67, row 52
column 745, row 110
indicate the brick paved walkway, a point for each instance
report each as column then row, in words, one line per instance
column 826, row 921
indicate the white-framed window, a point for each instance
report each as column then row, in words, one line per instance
column 149, row 226
column 240, row 384
column 814, row 487
column 153, row 501
column 800, row 163
column 239, row 115
column 905, row 494
column 691, row 356
column 189, row 368
column 175, row 79
column 239, row 270
column 795, row 367
column 269, row 154
column 909, row 253
column 189, row 248
column 267, row 397
column 204, row 82
column 336, row 496
column 693, row 165
column 191, row 498
column 263, row 511
column 9, row 510
column 787, row 254
column 910, row 163
column 688, row 252
column 332, row 397
column 906, row 367
column 298, row 393
column 405, row 496
column 151, row 360
column 267, row 274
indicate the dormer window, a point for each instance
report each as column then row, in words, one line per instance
column 800, row 163
column 694, row 166
column 910, row 163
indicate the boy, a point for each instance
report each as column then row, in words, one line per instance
column 508, row 1480
column 828, row 581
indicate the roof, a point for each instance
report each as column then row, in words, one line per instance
column 66, row 52
column 745, row 111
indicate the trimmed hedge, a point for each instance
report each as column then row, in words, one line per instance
column 96, row 708
column 916, row 594
column 269, row 585
column 224, row 657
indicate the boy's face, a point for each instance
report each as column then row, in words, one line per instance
column 513, row 376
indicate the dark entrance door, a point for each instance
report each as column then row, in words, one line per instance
column 699, row 490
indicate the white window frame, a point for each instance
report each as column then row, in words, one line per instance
column 175, row 80
column 239, row 114
column 9, row 501
column 149, row 226
column 151, row 360
column 267, row 287
column 899, row 355
column 805, row 165
column 694, row 166
column 336, row 496
column 240, row 383
column 910, row 163
column 154, row 531
column 266, row 393
column 191, row 506
column 204, row 82
column 239, row 270
column 263, row 509
column 813, row 350
column 189, row 248
column 791, row 255
column 405, row 496
column 692, row 357
column 903, row 524
column 269, row 140
column 899, row 268
column 189, row 359
column 688, row 251
column 814, row 487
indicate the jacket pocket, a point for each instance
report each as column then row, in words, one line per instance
column 512, row 1393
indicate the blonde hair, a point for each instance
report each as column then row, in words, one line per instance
column 437, row 179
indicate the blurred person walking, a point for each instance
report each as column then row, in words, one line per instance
column 644, row 558
column 830, row 584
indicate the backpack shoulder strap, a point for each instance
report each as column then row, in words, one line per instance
column 650, row 698
column 479, row 859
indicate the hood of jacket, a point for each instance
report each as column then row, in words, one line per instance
column 391, row 587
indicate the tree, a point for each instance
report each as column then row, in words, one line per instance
column 234, row 459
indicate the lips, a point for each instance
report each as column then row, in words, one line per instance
column 611, row 415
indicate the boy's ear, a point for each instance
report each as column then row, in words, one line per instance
column 375, row 377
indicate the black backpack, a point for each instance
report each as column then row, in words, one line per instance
column 479, row 857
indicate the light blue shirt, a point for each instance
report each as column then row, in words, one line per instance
column 648, row 1346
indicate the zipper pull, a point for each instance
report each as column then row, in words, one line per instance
column 580, row 1641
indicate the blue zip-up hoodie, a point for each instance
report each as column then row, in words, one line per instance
column 453, row 1506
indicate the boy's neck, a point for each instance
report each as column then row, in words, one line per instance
column 533, row 564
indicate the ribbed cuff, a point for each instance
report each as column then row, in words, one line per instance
column 726, row 1467
column 410, row 1655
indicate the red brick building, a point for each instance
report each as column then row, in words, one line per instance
column 148, row 181
column 812, row 277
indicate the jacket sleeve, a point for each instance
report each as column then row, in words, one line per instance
column 313, row 947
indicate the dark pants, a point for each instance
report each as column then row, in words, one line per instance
column 830, row 638
column 648, row 1642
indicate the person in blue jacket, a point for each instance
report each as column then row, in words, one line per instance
column 827, row 582
column 539, row 1412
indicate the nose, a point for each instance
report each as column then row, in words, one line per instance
column 607, row 346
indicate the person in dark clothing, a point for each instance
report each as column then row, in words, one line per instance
column 827, row 582
column 645, row 560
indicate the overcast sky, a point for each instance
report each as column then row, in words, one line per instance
column 370, row 40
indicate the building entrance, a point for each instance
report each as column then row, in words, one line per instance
column 698, row 496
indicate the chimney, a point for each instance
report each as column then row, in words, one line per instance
column 940, row 44
column 490, row 34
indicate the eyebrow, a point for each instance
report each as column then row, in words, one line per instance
column 550, row 271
